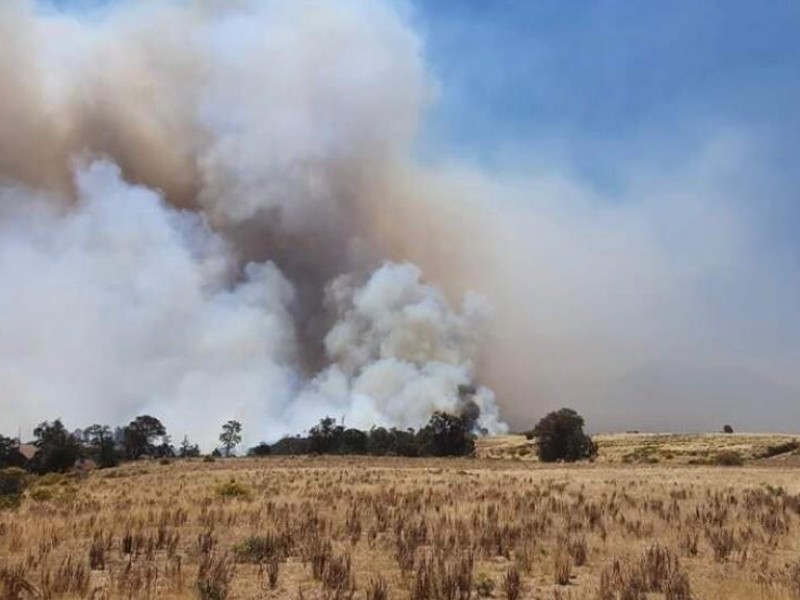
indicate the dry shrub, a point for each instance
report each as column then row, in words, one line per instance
column 337, row 576
column 512, row 584
column 14, row 584
column 97, row 554
column 259, row 548
column 658, row 570
column 728, row 458
column 562, row 567
column 233, row 489
column 273, row 568
column 214, row 576
column 378, row 589
column 484, row 585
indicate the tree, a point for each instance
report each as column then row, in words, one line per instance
column 99, row 440
column 13, row 482
column 291, row 446
column 380, row 442
column 141, row 435
column 727, row 429
column 262, row 449
column 560, row 436
column 230, row 436
column 187, row 449
column 353, row 441
column 10, row 456
column 447, row 435
column 325, row 437
column 57, row 449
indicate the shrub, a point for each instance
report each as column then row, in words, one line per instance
column 484, row 585
column 447, row 435
column 777, row 449
column 727, row 429
column 209, row 459
column 560, row 436
column 512, row 584
column 214, row 577
column 562, row 567
column 12, row 484
column 232, row 489
column 259, row 548
column 9, row 453
column 262, row 449
column 728, row 458
column 57, row 449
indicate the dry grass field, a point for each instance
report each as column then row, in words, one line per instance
column 452, row 529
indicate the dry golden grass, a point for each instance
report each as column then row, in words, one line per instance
column 652, row 448
column 400, row 528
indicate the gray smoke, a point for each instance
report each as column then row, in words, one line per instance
column 187, row 221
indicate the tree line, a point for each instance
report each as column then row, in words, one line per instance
column 559, row 436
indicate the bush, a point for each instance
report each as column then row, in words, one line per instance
column 57, row 449
column 484, row 585
column 560, row 436
column 258, row 549
column 262, row 449
column 728, row 458
column 13, row 482
column 232, row 489
column 9, row 453
column 727, row 429
column 777, row 449
column 446, row 435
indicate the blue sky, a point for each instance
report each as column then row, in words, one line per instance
column 599, row 80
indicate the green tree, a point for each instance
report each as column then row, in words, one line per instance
column 57, row 449
column 99, row 441
column 10, row 455
column 353, row 441
column 187, row 449
column 380, row 442
column 447, row 435
column 140, row 436
column 325, row 437
column 230, row 436
column 13, row 482
column 261, row 449
column 560, row 436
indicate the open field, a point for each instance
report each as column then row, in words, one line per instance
column 658, row 448
column 405, row 528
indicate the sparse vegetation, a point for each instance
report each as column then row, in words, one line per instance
column 13, row 481
column 728, row 458
column 402, row 528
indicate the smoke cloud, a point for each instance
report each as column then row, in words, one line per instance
column 214, row 210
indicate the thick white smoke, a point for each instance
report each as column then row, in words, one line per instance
column 398, row 352
column 183, row 274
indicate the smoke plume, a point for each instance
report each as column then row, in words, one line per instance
column 190, row 202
